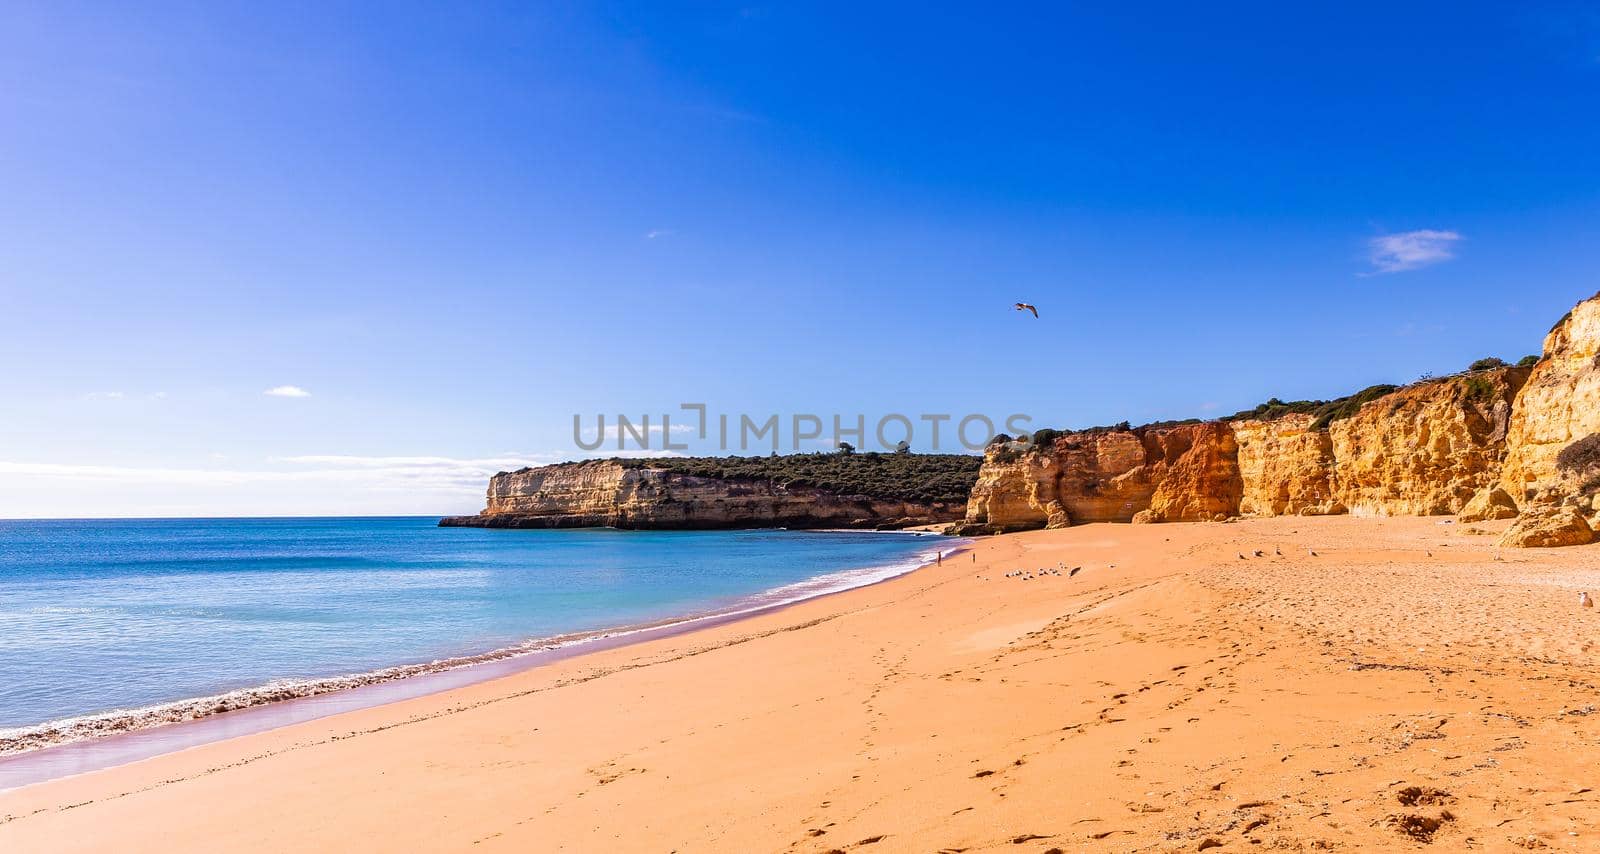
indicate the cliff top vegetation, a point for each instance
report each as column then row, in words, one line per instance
column 893, row 476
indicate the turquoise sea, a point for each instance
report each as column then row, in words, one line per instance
column 105, row 615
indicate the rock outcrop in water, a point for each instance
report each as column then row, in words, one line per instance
column 609, row 493
column 1489, row 442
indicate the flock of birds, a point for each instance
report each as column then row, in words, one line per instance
column 1279, row 552
column 1059, row 570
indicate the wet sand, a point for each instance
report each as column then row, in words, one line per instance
column 1400, row 688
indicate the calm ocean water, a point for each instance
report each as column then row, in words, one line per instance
column 120, row 614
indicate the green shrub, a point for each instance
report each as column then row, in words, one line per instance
column 900, row 477
column 1486, row 364
column 1527, row 361
column 1479, row 388
column 1274, row 409
column 1045, row 438
column 1344, row 407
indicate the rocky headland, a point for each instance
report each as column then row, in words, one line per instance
column 872, row 491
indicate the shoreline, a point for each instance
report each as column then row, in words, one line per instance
column 54, row 749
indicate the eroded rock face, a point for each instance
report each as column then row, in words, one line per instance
column 1286, row 468
column 602, row 493
column 1101, row 475
column 1426, row 449
column 1548, row 525
column 1559, row 405
column 1195, row 468
column 1016, row 493
column 1186, row 472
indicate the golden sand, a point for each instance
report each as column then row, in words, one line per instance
column 1178, row 693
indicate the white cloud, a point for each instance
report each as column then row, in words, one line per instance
column 1411, row 250
column 287, row 391
column 104, row 395
column 659, row 232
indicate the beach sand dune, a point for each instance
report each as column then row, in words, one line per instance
column 1405, row 688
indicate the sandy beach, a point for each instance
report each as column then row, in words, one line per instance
column 1405, row 686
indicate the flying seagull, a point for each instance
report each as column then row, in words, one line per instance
column 1022, row 306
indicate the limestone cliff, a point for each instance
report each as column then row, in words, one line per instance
column 1426, row 449
column 1195, row 468
column 1177, row 473
column 1423, row 449
column 606, row 493
column 1558, row 408
column 1286, row 468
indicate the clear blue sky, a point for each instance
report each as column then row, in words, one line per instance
column 456, row 225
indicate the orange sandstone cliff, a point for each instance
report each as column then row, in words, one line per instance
column 1427, row 449
column 1285, row 467
column 1178, row 473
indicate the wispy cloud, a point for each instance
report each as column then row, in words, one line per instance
column 287, row 391
column 1411, row 250
column 658, row 232
column 104, row 395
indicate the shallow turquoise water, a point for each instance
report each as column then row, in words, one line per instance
column 99, row 615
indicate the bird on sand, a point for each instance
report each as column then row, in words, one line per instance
column 1584, row 601
column 1022, row 306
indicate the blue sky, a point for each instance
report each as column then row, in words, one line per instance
column 453, row 226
